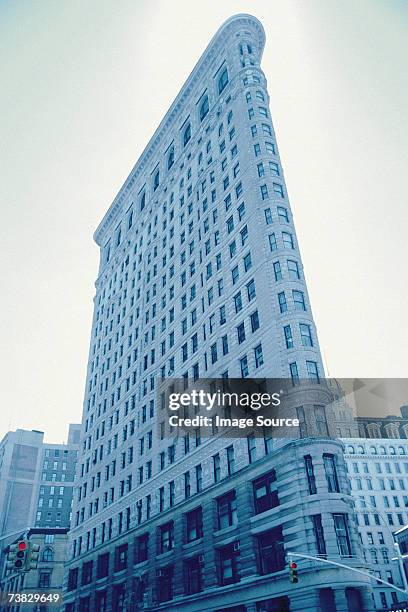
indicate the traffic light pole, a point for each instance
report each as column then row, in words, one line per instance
column 352, row 569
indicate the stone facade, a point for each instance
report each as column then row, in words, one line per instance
column 200, row 276
column 48, row 577
column 378, row 471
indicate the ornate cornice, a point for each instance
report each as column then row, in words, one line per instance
column 217, row 42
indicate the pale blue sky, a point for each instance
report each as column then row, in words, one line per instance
column 85, row 84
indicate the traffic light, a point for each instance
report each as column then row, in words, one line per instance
column 17, row 556
column 33, row 554
column 293, row 574
column 11, row 556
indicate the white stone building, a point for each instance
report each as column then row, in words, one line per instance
column 378, row 471
column 200, row 276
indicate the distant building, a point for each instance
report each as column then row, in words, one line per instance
column 378, row 471
column 36, row 481
column 384, row 427
column 49, row 574
column 401, row 538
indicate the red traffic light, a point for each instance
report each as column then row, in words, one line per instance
column 293, row 565
column 22, row 546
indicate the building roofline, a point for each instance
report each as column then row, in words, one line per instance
column 167, row 122
column 47, row 531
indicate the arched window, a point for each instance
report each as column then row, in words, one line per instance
column 186, row 134
column 392, row 450
column 350, row 450
column 204, row 108
column 170, row 158
column 382, row 450
column 373, row 450
column 360, row 450
column 401, row 450
column 222, row 81
column 156, row 180
column 48, row 554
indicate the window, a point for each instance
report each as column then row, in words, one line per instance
column 283, row 307
column 319, row 534
column 293, row 269
column 271, row 551
column 261, row 169
column 288, row 336
column 259, row 360
column 299, row 300
column 305, row 334
column 228, row 571
column 272, row 242
column 222, row 81
column 251, row 446
column 251, row 293
column 199, row 477
column 254, row 321
column 311, row 480
column 238, row 302
column 170, row 158
column 224, row 340
column 217, row 467
column 270, row 148
column 247, row 262
column 141, row 548
column 278, row 189
column 264, row 192
column 268, row 216
column 86, row 577
column 321, row 421
column 194, row 524
column 102, row 566
column 288, row 240
column 265, row 496
column 243, row 362
column 342, row 534
column 165, row 583
column 73, row 579
column 312, row 371
column 241, row 333
column 204, row 108
column 166, row 537
column 156, row 180
column 227, row 510
column 277, row 270
column 186, row 134
column 44, row 581
column 331, row 473
column 230, row 460
column 121, row 557
column 282, row 212
column 192, row 575
column 48, row 554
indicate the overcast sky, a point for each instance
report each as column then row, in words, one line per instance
column 83, row 87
